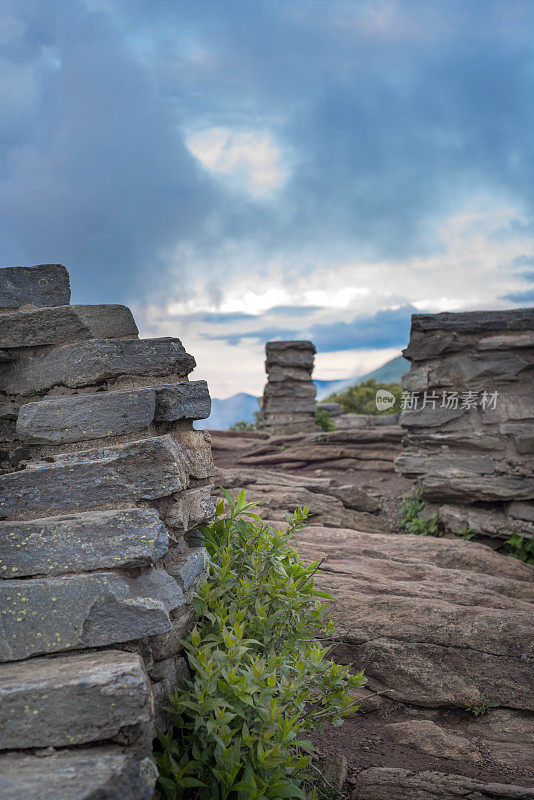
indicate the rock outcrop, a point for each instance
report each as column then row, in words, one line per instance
column 469, row 419
column 104, row 484
column 288, row 403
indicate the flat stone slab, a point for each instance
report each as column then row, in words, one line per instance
column 97, row 773
column 133, row 537
column 141, row 470
column 65, row 323
column 42, row 285
column 516, row 319
column 378, row 783
column 188, row 400
column 73, row 699
column 96, row 360
column 80, row 417
column 477, row 487
column 434, row 622
column 50, row 615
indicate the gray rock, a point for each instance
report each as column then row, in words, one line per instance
column 522, row 511
column 516, row 319
column 444, row 465
column 87, row 363
column 65, row 323
column 192, row 568
column 393, row 783
column 188, row 400
column 50, row 615
column 284, row 345
column 489, row 522
column 98, row 773
column 190, row 509
column 429, row 417
column 278, row 373
column 133, row 537
column 142, row 470
column 473, row 488
column 291, row 390
column 332, row 409
column 79, row 417
column 423, row 347
column 73, row 699
column 42, row 285
column 272, row 405
column 522, row 434
column 507, row 341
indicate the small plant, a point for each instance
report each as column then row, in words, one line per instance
column 324, row 420
column 521, row 548
column 482, row 708
column 466, row 533
column 260, row 677
column 411, row 521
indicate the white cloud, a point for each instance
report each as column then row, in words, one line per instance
column 247, row 161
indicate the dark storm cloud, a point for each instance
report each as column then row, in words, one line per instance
column 390, row 123
column 390, row 328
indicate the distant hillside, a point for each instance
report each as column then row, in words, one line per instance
column 388, row 373
column 242, row 406
column 225, row 412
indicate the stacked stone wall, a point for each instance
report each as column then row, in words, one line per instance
column 472, row 449
column 288, row 403
column 104, row 485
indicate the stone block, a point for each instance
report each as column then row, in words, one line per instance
column 301, row 359
column 42, row 285
column 191, row 568
column 96, row 360
column 142, row 470
column 477, row 487
column 287, row 344
column 488, row 522
column 449, row 465
column 97, row 773
column 429, row 417
column 132, row 537
column 188, row 400
column 524, row 511
column 289, row 405
column 51, row 615
column 298, row 390
column 278, row 373
column 507, row 341
column 80, row 417
column 521, row 433
column 189, row 509
column 516, row 319
column 73, row 699
column 48, row 326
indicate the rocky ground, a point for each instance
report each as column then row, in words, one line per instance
column 439, row 625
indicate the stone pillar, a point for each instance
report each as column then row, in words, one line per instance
column 471, row 449
column 104, row 485
column 288, row 403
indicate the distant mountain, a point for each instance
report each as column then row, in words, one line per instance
column 391, row 371
column 242, row 406
column 225, row 412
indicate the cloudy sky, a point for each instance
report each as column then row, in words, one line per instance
column 238, row 170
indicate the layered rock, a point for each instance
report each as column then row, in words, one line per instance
column 288, row 403
column 104, row 485
column 469, row 419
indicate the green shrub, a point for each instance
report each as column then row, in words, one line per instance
column 324, row 420
column 260, row 678
column 243, row 425
column 466, row 533
column 360, row 399
column 411, row 521
column 521, row 548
